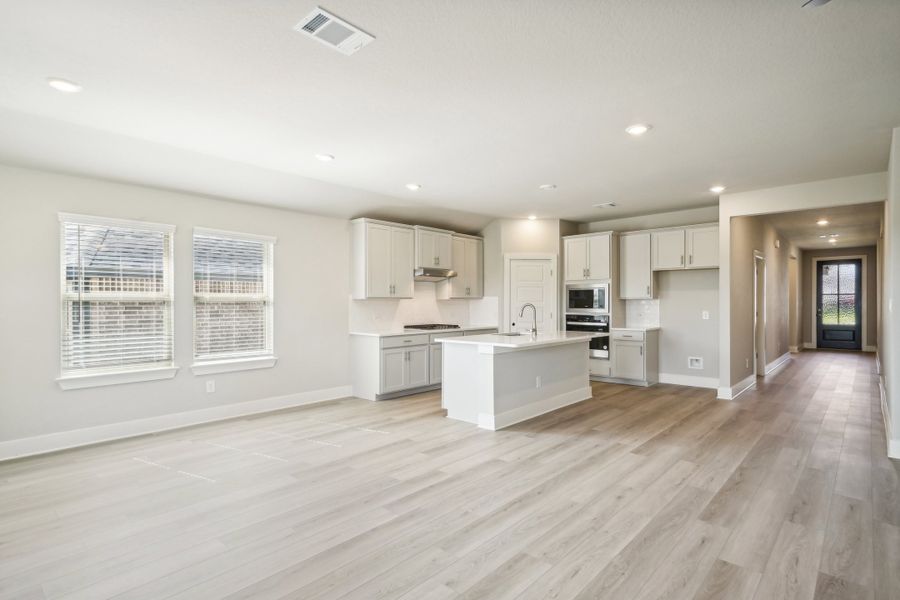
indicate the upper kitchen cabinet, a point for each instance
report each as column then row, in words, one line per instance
column 635, row 272
column 434, row 248
column 468, row 262
column 703, row 247
column 383, row 256
column 667, row 249
column 587, row 257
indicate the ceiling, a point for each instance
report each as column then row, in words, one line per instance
column 479, row 102
column 857, row 225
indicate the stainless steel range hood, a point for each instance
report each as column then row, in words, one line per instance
column 430, row 274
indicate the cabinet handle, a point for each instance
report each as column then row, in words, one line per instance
column 691, row 259
column 589, row 272
column 642, row 351
column 648, row 290
column 682, row 259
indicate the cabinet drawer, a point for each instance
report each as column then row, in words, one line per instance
column 599, row 367
column 404, row 340
column 446, row 334
column 634, row 336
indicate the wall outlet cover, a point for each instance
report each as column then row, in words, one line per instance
column 210, row 386
column 695, row 362
column 705, row 315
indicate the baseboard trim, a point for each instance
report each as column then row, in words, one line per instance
column 731, row 393
column 809, row 345
column 64, row 440
column 893, row 446
column 689, row 380
column 533, row 409
column 870, row 348
column 793, row 349
column 777, row 363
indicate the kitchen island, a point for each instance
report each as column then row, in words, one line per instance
column 497, row 380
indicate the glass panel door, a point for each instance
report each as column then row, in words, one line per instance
column 838, row 304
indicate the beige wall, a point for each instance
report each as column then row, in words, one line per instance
column 310, row 309
column 675, row 218
column 683, row 296
column 807, row 304
column 749, row 234
column 795, row 337
column 890, row 357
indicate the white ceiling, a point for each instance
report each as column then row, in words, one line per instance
column 480, row 102
column 857, row 225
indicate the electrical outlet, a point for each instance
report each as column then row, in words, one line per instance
column 210, row 386
column 705, row 315
column 695, row 362
column 537, row 381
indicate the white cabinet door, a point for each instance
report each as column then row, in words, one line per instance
column 668, row 249
column 378, row 261
column 402, row 258
column 628, row 360
column 417, row 366
column 435, row 363
column 598, row 257
column 474, row 268
column 636, row 278
column 425, row 248
column 703, row 247
column 443, row 250
column 460, row 283
column 575, row 257
column 393, row 370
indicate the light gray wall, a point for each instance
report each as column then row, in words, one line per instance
column 311, row 314
column 683, row 296
column 675, row 218
column 807, row 305
column 890, row 357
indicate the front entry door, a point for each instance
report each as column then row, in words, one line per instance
column 839, row 304
column 531, row 280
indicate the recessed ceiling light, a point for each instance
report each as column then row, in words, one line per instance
column 413, row 187
column 605, row 205
column 547, row 186
column 822, row 222
column 717, row 189
column 63, row 85
column 834, row 235
column 532, row 217
column 823, row 236
column 325, row 157
column 638, row 129
column 832, row 241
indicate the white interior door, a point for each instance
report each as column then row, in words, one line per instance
column 531, row 280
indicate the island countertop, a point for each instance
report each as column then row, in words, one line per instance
column 525, row 341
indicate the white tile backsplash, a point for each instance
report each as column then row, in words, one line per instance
column 642, row 313
column 424, row 307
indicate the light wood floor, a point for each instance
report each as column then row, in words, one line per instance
column 635, row 494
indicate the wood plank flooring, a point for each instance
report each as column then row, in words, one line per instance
column 637, row 493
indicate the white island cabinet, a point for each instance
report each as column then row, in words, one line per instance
column 494, row 381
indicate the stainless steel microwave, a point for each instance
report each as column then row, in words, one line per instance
column 587, row 299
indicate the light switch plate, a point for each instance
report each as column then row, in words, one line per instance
column 705, row 315
column 210, row 386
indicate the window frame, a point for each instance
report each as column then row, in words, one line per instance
column 69, row 379
column 207, row 366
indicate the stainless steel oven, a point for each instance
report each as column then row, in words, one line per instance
column 593, row 324
column 587, row 299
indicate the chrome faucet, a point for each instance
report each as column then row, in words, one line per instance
column 533, row 316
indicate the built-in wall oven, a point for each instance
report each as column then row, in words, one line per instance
column 587, row 299
column 595, row 324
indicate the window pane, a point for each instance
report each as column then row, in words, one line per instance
column 829, row 309
column 829, row 279
column 847, row 309
column 847, row 278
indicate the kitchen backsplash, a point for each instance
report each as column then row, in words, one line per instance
column 375, row 314
column 642, row 313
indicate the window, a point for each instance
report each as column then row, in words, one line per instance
column 116, row 301
column 232, row 301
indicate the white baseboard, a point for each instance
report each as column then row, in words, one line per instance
column 51, row 442
column 778, row 362
column 533, row 409
column 689, row 380
column 793, row 349
column 870, row 348
column 878, row 362
column 893, row 446
column 731, row 393
column 809, row 345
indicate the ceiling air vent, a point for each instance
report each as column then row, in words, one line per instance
column 323, row 26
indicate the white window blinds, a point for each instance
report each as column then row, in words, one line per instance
column 232, row 295
column 116, row 285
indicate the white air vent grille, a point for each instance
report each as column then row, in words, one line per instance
column 334, row 32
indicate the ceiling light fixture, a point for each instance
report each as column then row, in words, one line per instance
column 547, row 186
column 325, row 157
column 532, row 217
column 823, row 236
column 638, row 129
column 832, row 241
column 605, row 205
column 822, row 222
column 64, row 85
column 413, row 187
column 717, row 189
column 834, row 235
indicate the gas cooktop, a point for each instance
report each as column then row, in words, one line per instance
column 430, row 326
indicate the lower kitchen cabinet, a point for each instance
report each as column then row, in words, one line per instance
column 634, row 356
column 403, row 368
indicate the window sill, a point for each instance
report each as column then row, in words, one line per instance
column 77, row 382
column 235, row 364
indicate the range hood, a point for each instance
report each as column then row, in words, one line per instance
column 432, row 274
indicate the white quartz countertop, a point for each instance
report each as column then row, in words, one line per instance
column 394, row 332
column 634, row 328
column 525, row 341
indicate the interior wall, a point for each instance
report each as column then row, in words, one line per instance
column 795, row 337
column 890, row 357
column 807, row 306
column 683, row 296
column 310, row 308
column 675, row 218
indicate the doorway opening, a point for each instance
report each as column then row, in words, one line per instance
column 759, row 314
column 839, row 304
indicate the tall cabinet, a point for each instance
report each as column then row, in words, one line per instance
column 383, row 256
